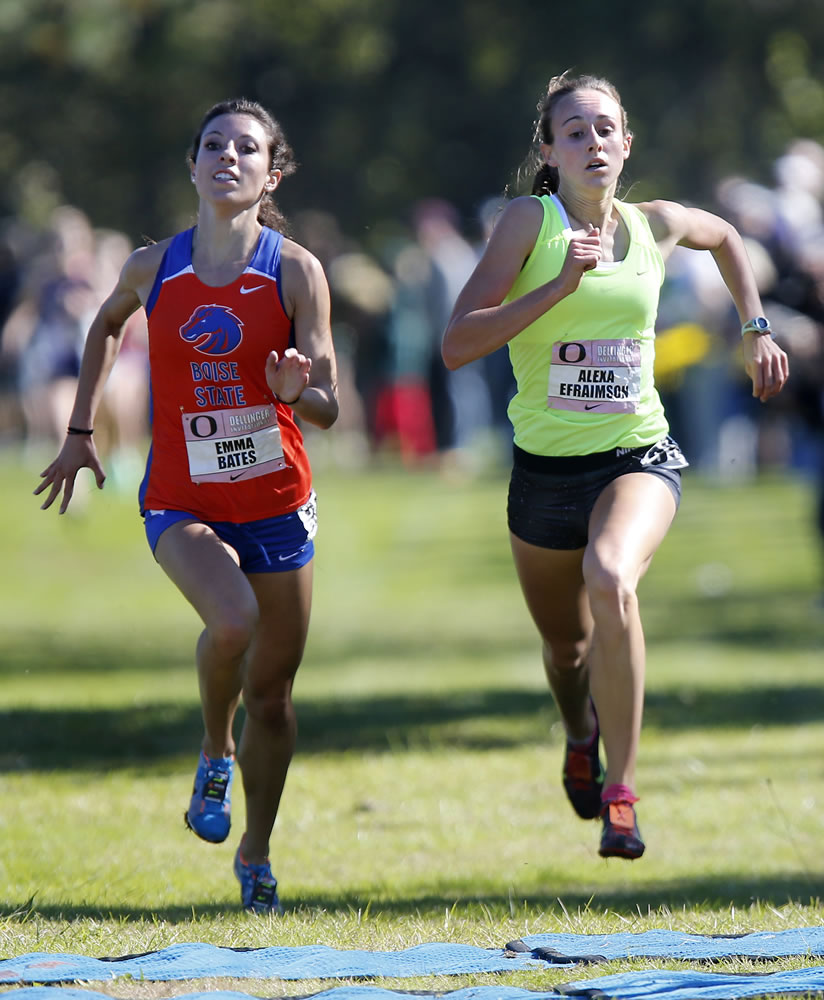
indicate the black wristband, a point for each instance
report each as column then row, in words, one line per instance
column 286, row 402
column 80, row 430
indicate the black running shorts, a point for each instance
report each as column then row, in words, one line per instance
column 551, row 499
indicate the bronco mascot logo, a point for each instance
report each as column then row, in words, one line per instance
column 216, row 327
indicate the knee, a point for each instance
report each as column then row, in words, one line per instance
column 566, row 654
column 270, row 705
column 611, row 591
column 231, row 632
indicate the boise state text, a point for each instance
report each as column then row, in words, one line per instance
column 217, row 394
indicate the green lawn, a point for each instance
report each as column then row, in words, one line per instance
column 424, row 803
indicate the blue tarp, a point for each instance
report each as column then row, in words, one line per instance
column 196, row 961
column 807, row 941
column 539, row 951
column 653, row 985
column 658, row 984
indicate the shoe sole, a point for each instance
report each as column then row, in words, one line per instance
column 594, row 813
column 584, row 815
column 275, row 911
column 197, row 833
column 626, row 852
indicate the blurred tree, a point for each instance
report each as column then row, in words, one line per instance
column 386, row 102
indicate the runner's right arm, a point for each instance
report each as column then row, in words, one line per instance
column 480, row 322
column 103, row 343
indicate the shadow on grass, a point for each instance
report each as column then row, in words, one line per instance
column 789, row 620
column 707, row 893
column 41, row 657
column 57, row 739
column 790, row 624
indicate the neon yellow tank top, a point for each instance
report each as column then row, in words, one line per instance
column 584, row 369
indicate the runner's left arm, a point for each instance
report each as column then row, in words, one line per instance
column 677, row 225
column 306, row 376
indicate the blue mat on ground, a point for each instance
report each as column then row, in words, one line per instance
column 653, row 985
column 589, row 948
column 660, row 984
column 195, row 961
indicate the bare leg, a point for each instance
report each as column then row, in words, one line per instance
column 269, row 732
column 628, row 523
column 553, row 587
column 205, row 570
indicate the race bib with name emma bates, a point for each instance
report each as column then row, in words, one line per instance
column 599, row 375
column 227, row 445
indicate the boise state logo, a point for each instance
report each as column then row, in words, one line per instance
column 213, row 330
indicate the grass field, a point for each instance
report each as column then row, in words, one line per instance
column 424, row 803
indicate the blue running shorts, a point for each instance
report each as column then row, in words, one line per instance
column 272, row 545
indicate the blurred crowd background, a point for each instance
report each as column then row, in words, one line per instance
column 412, row 125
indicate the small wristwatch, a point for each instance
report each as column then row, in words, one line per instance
column 760, row 324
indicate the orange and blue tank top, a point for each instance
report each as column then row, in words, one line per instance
column 223, row 449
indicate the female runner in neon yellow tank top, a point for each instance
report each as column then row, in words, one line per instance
column 570, row 281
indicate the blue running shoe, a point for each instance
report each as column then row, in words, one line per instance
column 208, row 814
column 258, row 886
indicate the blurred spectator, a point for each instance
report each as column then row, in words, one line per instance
column 62, row 275
column 785, row 227
column 723, row 431
column 799, row 175
column 9, row 275
column 10, row 417
column 45, row 331
column 412, row 412
column 388, row 319
column 361, row 294
column 693, row 369
column 461, row 406
column 123, row 416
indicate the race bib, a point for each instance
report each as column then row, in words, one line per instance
column 599, row 375
column 225, row 446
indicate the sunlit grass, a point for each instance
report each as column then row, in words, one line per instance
column 424, row 802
